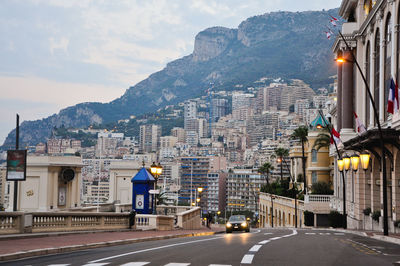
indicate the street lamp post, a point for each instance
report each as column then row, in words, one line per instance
column 156, row 171
column 382, row 142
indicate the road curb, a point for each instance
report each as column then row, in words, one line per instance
column 51, row 251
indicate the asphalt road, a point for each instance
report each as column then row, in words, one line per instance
column 259, row 247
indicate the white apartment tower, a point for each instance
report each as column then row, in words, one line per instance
column 149, row 138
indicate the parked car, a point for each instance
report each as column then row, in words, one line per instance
column 237, row 223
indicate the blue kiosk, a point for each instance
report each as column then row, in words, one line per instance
column 142, row 201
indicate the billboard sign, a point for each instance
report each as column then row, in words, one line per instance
column 16, row 165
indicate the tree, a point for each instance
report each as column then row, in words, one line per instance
column 323, row 141
column 266, row 168
column 301, row 134
column 321, row 188
column 281, row 153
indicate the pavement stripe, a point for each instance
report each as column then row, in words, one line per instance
column 247, row 259
column 96, row 264
column 177, row 264
column 275, row 238
column 140, row 263
column 264, row 242
column 156, row 248
column 339, row 234
column 255, row 248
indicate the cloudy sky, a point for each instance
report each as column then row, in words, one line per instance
column 57, row 53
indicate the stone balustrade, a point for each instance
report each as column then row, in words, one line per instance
column 318, row 203
column 189, row 219
column 20, row 222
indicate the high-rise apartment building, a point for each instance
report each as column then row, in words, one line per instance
column 219, row 108
column 216, row 189
column 190, row 113
column 149, row 138
column 193, row 174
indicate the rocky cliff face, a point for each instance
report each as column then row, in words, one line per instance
column 212, row 42
column 279, row 44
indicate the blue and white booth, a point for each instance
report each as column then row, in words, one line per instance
column 142, row 200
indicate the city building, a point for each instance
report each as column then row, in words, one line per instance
column 371, row 31
column 219, row 108
column 149, row 138
column 52, row 183
column 216, row 191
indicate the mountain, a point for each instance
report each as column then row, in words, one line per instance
column 278, row 44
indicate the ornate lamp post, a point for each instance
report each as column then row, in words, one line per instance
column 156, row 171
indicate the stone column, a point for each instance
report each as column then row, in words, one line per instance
column 347, row 92
column 339, row 97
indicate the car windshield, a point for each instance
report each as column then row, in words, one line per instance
column 237, row 218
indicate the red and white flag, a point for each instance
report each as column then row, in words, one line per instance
column 333, row 18
column 335, row 136
column 393, row 99
column 360, row 126
column 333, row 22
column 328, row 35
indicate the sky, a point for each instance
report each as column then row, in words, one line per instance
column 58, row 53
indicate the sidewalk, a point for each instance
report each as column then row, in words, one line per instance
column 28, row 245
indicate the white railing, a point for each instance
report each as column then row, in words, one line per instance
column 317, row 198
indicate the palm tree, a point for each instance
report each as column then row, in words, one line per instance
column 281, row 152
column 266, row 168
column 323, row 141
column 301, row 134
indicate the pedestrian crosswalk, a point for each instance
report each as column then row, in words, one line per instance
column 138, row 263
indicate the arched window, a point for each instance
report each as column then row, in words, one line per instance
column 367, row 76
column 314, row 155
column 388, row 60
column 376, row 69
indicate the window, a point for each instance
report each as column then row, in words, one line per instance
column 376, row 68
column 314, row 155
column 314, row 177
column 388, row 60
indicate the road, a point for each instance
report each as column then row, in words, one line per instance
column 259, row 247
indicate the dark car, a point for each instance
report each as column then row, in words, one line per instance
column 237, row 223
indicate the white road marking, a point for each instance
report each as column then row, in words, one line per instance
column 156, row 248
column 324, row 233
column 255, row 248
column 275, row 238
column 139, row 263
column 268, row 233
column 264, row 242
column 310, row 233
column 96, row 264
column 247, row 259
column 339, row 234
column 177, row 264
column 256, row 232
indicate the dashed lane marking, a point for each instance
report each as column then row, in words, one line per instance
column 339, row 234
column 310, row 233
column 264, row 242
column 177, row 264
column 247, row 259
column 255, row 248
column 139, row 263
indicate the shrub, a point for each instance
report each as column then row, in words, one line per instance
column 321, row 188
column 335, row 219
column 308, row 218
column 376, row 215
column 367, row 211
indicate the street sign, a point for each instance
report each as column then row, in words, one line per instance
column 154, row 191
column 16, row 165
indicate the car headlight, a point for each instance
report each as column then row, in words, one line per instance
column 244, row 224
column 228, row 225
